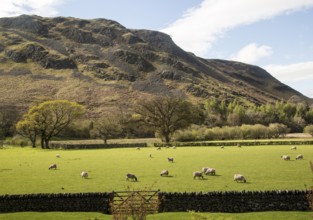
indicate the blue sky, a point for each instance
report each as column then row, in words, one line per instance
column 276, row 35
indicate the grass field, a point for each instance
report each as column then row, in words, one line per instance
column 162, row 216
column 25, row 170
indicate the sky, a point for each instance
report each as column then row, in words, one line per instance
column 276, row 35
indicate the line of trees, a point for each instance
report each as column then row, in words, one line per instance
column 257, row 131
column 294, row 115
column 166, row 118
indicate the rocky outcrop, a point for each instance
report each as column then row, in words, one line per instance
column 39, row 55
column 78, row 36
column 133, row 58
column 32, row 24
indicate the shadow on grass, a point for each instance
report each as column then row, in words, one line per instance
column 168, row 176
column 201, row 179
column 213, row 175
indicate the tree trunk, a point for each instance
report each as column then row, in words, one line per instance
column 47, row 143
column 167, row 138
column 42, row 142
column 33, row 141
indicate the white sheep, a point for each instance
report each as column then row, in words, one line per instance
column 197, row 174
column 300, row 156
column 170, row 159
column 53, row 166
column 285, row 157
column 204, row 169
column 84, row 174
column 210, row 171
column 130, row 176
column 164, row 173
column 174, row 147
column 293, row 148
column 57, row 155
column 239, row 177
column 159, row 148
column 138, row 148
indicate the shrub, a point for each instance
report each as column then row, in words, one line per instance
column 309, row 129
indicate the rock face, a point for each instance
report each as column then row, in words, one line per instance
column 39, row 55
column 100, row 63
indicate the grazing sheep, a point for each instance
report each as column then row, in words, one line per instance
column 84, row 174
column 210, row 171
column 164, row 173
column 53, row 166
column 239, row 177
column 170, row 159
column 239, row 145
column 174, row 147
column 58, row 155
column 130, row 176
column 285, row 157
column 138, row 148
column 204, row 169
column 300, row 156
column 293, row 148
column 222, row 147
column 197, row 174
column 159, row 148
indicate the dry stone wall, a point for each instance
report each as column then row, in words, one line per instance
column 67, row 202
column 231, row 201
column 246, row 201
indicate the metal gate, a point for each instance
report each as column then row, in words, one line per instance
column 135, row 203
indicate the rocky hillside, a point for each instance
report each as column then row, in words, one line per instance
column 105, row 66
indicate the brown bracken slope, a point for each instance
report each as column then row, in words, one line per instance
column 103, row 65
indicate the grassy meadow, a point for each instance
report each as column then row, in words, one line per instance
column 161, row 216
column 25, row 170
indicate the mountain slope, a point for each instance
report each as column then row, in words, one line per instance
column 105, row 66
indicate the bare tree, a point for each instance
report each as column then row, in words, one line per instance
column 108, row 126
column 167, row 114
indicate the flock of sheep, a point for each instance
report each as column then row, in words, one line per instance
column 83, row 174
column 207, row 170
column 287, row 157
column 196, row 174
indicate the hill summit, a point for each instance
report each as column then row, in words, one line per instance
column 103, row 65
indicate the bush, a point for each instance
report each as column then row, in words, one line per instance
column 257, row 131
column 17, row 141
column 309, row 129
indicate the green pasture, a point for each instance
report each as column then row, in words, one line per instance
column 25, row 170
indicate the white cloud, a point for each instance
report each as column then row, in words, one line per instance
column 38, row 7
column 200, row 26
column 292, row 72
column 297, row 75
column 252, row 53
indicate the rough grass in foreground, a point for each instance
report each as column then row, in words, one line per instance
column 161, row 216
